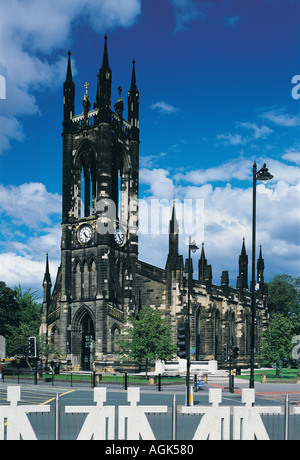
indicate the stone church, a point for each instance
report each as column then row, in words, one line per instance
column 101, row 282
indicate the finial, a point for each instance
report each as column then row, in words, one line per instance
column 105, row 37
column 120, row 92
column 87, row 88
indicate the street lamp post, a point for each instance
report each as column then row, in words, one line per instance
column 192, row 248
column 261, row 175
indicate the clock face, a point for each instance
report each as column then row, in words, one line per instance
column 85, row 234
column 119, row 237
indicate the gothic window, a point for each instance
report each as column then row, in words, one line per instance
column 120, row 184
column 218, row 342
column 115, row 332
column 77, row 283
column 86, row 193
column 93, row 280
column 86, row 284
column 54, row 338
column 119, row 194
column 85, row 182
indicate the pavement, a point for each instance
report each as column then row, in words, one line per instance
column 270, row 391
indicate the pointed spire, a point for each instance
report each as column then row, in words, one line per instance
column 103, row 95
column 173, row 232
column 260, row 262
column 105, row 64
column 69, row 77
column 133, row 87
column 203, row 260
column 204, row 270
column 242, row 279
column 243, row 252
column 173, row 225
column 133, row 103
column 47, row 277
column 69, row 93
column 260, row 270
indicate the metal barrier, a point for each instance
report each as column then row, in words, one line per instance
column 93, row 379
column 134, row 421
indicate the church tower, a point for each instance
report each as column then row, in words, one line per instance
column 101, row 281
column 94, row 290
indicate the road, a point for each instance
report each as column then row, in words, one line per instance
column 266, row 395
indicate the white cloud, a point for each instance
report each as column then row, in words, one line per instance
column 231, row 20
column 164, row 108
column 231, row 139
column 228, row 215
column 11, row 128
column 258, row 132
column 237, row 169
column 281, row 119
column 186, row 11
column 292, row 156
column 29, row 230
column 26, row 271
column 161, row 186
column 29, row 204
column 30, row 33
column 149, row 161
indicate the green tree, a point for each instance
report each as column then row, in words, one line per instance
column 283, row 295
column 30, row 308
column 10, row 314
column 149, row 338
column 20, row 318
column 276, row 344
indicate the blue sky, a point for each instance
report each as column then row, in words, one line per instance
column 215, row 83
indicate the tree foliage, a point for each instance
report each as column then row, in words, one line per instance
column 284, row 295
column 284, row 323
column 20, row 317
column 277, row 344
column 149, row 338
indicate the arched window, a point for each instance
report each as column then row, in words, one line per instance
column 77, row 284
column 86, row 282
column 93, row 280
column 115, row 332
column 218, row 336
column 54, row 338
column 120, row 183
column 85, row 191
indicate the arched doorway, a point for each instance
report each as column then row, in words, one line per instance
column 83, row 339
column 87, row 342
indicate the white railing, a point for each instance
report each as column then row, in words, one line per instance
column 131, row 422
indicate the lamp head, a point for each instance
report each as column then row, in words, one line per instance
column 193, row 246
column 263, row 174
